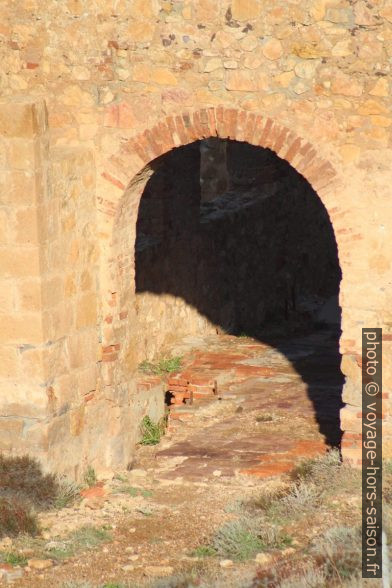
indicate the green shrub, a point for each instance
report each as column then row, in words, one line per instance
column 90, row 477
column 164, row 366
column 151, row 432
column 243, row 538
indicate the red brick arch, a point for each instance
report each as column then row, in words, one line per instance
column 121, row 189
column 258, row 130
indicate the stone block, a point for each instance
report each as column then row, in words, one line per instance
column 22, row 119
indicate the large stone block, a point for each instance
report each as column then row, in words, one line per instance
column 22, row 118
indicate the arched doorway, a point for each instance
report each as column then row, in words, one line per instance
column 125, row 177
column 258, row 258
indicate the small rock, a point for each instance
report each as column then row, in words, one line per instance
column 157, row 571
column 273, row 49
column 130, row 549
column 95, row 503
column 288, row 551
column 9, row 574
column 226, row 563
column 6, row 542
column 217, row 473
column 27, row 551
column 40, row 564
column 128, row 568
column 138, row 473
column 134, row 557
column 263, row 558
column 132, row 530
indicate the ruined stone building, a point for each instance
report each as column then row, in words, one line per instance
column 107, row 103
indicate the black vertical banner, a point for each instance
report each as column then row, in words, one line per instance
column 372, row 453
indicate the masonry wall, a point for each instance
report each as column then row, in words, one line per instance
column 310, row 80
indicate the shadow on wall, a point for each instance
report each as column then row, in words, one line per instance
column 260, row 259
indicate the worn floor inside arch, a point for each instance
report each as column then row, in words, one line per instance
column 263, row 417
column 179, row 492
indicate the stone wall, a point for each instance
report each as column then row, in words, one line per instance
column 125, row 82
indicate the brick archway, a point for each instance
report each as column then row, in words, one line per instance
column 128, row 167
column 124, row 177
column 225, row 123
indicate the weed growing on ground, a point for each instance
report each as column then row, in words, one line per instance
column 90, row 477
column 151, row 432
column 203, row 551
column 301, row 500
column 81, row 539
column 311, row 577
column 13, row 558
column 339, row 550
column 265, row 418
column 68, row 493
column 237, row 540
column 243, row 538
column 167, row 365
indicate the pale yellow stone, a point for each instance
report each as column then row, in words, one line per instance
column 337, row 15
column 29, row 295
column 223, row 39
column 284, row 79
column 273, row 49
column 306, row 69
column 346, row 86
column 212, row 64
column 342, row 48
column 25, row 329
column 122, row 73
column 386, row 13
column 350, row 152
column 363, row 15
column 141, row 31
column 206, row 10
column 246, row 9
column 249, row 43
column 309, row 50
column 19, row 119
column 9, row 361
column 380, row 88
column 300, row 88
column 252, row 61
column 18, row 262
column 317, row 9
column 73, row 95
column 141, row 73
column 26, row 227
column 372, row 107
column 86, row 314
column 378, row 134
column 187, row 12
column 163, row 77
column 81, row 73
column 240, row 81
column 146, row 9
column 381, row 121
column 230, row 64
